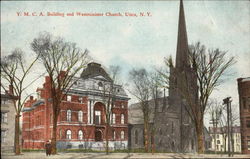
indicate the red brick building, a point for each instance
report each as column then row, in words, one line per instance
column 81, row 123
column 244, row 100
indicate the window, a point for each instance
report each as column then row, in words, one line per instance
column 80, row 116
column 80, row 135
column 4, row 117
column 192, row 144
column 60, row 133
column 3, row 135
column 122, row 118
column 218, row 141
column 69, row 98
column 68, row 134
column 172, row 128
column 136, row 137
column 114, row 134
column 100, row 86
column 122, row 104
column 218, row 136
column 68, row 115
column 122, row 135
column 113, row 118
column 97, row 117
column 80, row 100
column 4, row 101
column 248, row 145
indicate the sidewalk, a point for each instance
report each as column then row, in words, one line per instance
column 39, row 155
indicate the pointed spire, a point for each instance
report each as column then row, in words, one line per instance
column 182, row 41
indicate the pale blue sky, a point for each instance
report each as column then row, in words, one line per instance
column 135, row 42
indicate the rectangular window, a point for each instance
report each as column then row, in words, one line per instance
column 97, row 117
column 248, row 145
column 69, row 98
column 244, row 102
column 218, row 136
column 80, row 100
column 122, row 105
column 113, row 118
column 3, row 135
column 4, row 117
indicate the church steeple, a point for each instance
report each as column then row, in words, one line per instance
column 182, row 41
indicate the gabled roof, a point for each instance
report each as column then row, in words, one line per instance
column 135, row 112
column 94, row 70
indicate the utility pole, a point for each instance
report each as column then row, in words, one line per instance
column 227, row 102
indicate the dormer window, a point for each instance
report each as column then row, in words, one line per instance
column 100, row 86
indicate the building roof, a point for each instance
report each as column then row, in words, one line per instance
column 94, row 69
column 135, row 112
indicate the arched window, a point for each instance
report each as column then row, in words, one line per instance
column 136, row 137
column 80, row 116
column 80, row 135
column 68, row 134
column 68, row 115
column 100, row 86
column 122, row 118
column 122, row 135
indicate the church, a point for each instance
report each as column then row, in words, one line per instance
column 174, row 130
column 82, row 119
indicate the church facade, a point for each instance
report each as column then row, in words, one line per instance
column 82, row 119
column 174, row 129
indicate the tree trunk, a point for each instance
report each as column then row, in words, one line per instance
column 200, row 136
column 146, row 135
column 107, row 139
column 17, row 132
column 53, row 140
column 152, row 142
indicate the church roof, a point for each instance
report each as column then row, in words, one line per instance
column 135, row 112
column 93, row 70
column 182, row 41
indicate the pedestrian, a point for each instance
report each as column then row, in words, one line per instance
column 48, row 148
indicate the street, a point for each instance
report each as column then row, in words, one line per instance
column 40, row 155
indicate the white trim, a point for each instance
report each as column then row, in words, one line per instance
column 88, row 112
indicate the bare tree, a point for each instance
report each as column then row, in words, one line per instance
column 14, row 71
column 108, row 97
column 62, row 61
column 215, row 111
column 210, row 68
column 155, row 85
column 141, row 90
